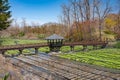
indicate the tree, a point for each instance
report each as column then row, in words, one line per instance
column 102, row 11
column 67, row 18
column 5, row 14
column 110, row 23
column 87, row 13
column 118, row 20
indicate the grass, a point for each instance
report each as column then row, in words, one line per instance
column 11, row 52
column 44, row 49
column 109, row 58
column 8, row 41
column 65, row 49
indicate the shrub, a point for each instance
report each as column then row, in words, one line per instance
column 41, row 36
column 21, row 34
column 117, row 45
column 108, row 32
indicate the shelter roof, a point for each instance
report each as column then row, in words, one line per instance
column 54, row 37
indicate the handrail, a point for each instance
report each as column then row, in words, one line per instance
column 19, row 46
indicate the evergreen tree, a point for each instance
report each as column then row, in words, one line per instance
column 5, row 14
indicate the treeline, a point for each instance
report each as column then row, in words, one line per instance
column 78, row 31
column 34, row 31
column 79, row 20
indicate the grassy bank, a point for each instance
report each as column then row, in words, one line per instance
column 109, row 58
column 8, row 41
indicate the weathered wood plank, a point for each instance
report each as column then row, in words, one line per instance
column 37, row 70
column 63, row 68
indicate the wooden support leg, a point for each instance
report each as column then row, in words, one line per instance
column 57, row 49
column 84, row 47
column 72, row 48
column 103, row 46
column 3, row 53
column 20, row 51
column 51, row 48
column 94, row 47
column 36, row 50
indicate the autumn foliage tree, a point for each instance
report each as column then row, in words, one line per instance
column 110, row 23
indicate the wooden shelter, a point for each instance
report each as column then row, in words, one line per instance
column 55, row 42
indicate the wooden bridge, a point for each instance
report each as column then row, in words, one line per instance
column 21, row 47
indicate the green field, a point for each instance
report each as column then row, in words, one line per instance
column 109, row 58
column 8, row 41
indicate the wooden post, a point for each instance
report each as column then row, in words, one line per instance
column 3, row 52
column 36, row 50
column 20, row 51
column 84, row 47
column 95, row 47
column 72, row 48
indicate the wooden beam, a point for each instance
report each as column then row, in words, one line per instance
column 20, row 51
column 36, row 50
column 72, row 48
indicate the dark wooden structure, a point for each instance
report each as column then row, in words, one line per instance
column 21, row 47
column 55, row 42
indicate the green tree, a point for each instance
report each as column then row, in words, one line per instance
column 5, row 14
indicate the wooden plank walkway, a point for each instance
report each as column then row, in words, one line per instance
column 49, row 67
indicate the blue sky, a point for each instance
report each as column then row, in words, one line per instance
column 38, row 11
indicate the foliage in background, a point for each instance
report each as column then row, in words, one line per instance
column 21, row 34
column 9, row 41
column 41, row 36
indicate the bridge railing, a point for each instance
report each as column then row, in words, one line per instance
column 22, row 46
column 85, row 43
column 36, row 46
